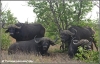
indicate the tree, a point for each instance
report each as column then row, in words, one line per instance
column 8, row 18
column 57, row 15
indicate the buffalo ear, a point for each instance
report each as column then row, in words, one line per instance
column 52, row 43
column 6, row 31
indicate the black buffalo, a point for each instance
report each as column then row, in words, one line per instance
column 76, row 33
column 24, row 32
column 36, row 46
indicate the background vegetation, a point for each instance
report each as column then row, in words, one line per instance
column 57, row 15
column 8, row 18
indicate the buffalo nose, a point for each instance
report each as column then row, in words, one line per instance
column 44, row 47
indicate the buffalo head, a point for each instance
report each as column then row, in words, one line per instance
column 65, row 35
column 44, row 44
column 11, row 29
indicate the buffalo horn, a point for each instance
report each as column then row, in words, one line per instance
column 16, row 26
column 82, row 41
column 69, row 32
column 35, row 39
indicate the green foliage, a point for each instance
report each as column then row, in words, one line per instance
column 5, row 41
column 8, row 18
column 58, row 51
column 99, row 39
column 96, row 36
column 87, row 55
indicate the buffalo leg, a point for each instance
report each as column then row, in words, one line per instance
column 62, row 47
column 47, row 54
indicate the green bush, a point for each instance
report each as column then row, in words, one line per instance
column 5, row 41
column 87, row 55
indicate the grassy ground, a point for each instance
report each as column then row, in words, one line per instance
column 53, row 58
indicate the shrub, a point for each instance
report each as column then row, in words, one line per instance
column 87, row 55
column 5, row 41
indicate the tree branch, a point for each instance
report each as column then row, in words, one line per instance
column 54, row 15
column 63, row 13
column 79, row 14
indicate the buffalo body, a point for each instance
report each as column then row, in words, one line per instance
column 36, row 46
column 24, row 32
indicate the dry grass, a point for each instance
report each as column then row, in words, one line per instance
column 12, row 40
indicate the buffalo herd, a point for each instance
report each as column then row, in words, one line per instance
column 30, row 39
column 73, row 35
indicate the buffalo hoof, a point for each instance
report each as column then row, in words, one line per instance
column 71, row 57
column 48, row 54
column 43, row 54
column 9, row 53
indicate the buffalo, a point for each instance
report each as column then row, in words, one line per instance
column 77, row 33
column 25, row 32
column 36, row 46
